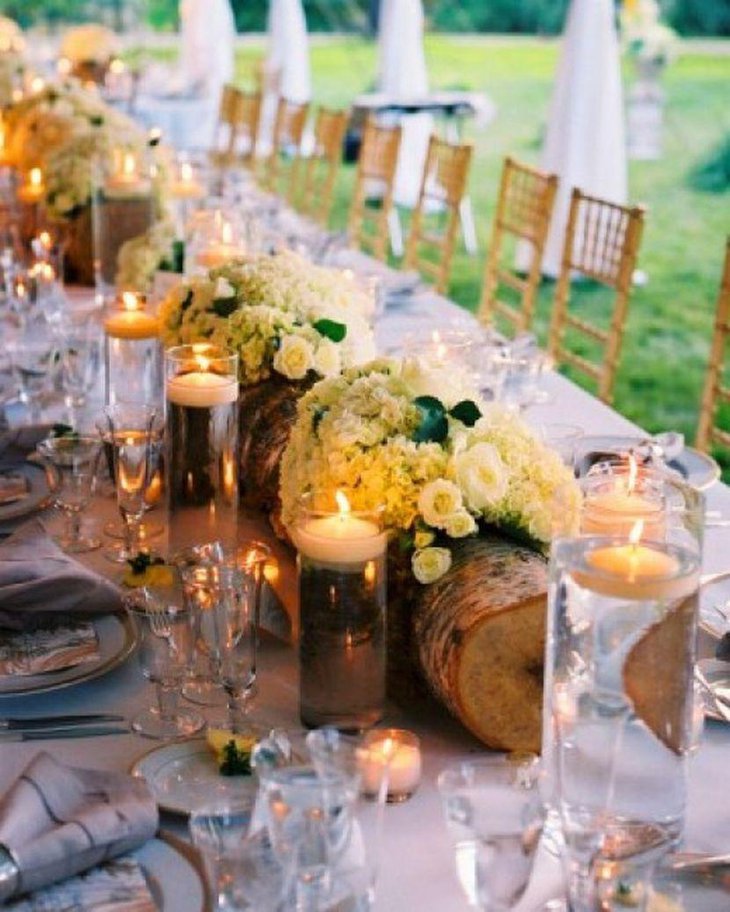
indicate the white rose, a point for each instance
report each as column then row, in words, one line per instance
column 481, row 475
column 429, row 564
column 460, row 525
column 423, row 539
column 294, row 358
column 447, row 382
column 327, row 361
column 439, row 500
column 223, row 289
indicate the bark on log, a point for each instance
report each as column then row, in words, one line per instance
column 480, row 637
column 267, row 412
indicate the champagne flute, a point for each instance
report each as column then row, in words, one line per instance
column 132, row 435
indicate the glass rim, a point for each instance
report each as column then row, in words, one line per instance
column 688, row 562
column 187, row 353
column 456, row 774
column 304, row 510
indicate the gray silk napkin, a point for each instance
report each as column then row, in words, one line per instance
column 39, row 582
column 18, row 444
column 57, row 820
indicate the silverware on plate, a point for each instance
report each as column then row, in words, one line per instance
column 48, row 734
column 22, row 723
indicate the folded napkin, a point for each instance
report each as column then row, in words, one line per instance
column 39, row 582
column 56, row 821
column 18, row 444
column 546, row 888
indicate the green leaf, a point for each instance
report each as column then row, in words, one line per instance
column 433, row 426
column 331, row 329
column 224, row 307
column 467, row 412
column 187, row 301
column 318, row 415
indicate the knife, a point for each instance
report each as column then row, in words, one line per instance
column 38, row 722
column 47, row 734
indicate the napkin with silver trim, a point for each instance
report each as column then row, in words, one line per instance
column 39, row 581
column 58, row 820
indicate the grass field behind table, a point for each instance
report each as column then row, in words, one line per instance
column 670, row 321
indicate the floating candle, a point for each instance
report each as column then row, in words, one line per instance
column 202, row 389
column 341, row 537
column 220, row 252
column 131, row 321
column 126, row 179
column 33, row 190
column 187, row 187
column 614, row 503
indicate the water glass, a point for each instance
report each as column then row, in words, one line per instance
column 164, row 654
column 73, row 461
column 132, row 435
column 32, row 355
column 240, row 868
column 494, row 817
column 563, row 438
column 80, row 362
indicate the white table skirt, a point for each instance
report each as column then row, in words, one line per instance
column 418, row 873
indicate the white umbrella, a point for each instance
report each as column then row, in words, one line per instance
column 585, row 143
column 402, row 76
column 287, row 63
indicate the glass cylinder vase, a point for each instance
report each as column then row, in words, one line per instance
column 342, row 611
column 132, row 352
column 618, row 715
column 201, row 444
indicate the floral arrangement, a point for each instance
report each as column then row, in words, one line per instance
column 282, row 314
column 11, row 36
column 64, row 129
column 645, row 37
column 12, row 58
column 89, row 44
column 140, row 257
column 443, row 463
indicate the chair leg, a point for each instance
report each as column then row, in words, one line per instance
column 468, row 228
column 395, row 231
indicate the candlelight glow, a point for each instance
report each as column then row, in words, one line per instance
column 186, row 172
column 129, row 164
column 633, row 474
column 226, row 233
column 44, row 239
column 38, row 83
column 636, row 531
column 35, row 178
column 63, row 66
column 117, row 66
column 130, row 301
column 343, row 504
column 202, row 363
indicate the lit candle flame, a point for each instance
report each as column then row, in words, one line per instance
column 226, row 233
column 38, row 83
column 35, row 178
column 44, row 239
column 129, row 164
column 343, row 503
column 637, row 530
column 633, row 474
column 130, row 301
column 202, row 363
column 634, row 538
column 117, row 66
column 186, row 172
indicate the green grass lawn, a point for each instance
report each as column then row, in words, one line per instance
column 667, row 340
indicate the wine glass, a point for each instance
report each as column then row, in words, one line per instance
column 132, row 434
column 32, row 356
column 73, row 461
column 80, row 361
column 164, row 653
column 494, row 816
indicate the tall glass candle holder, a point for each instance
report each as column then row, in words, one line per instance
column 201, row 444
column 132, row 352
column 123, row 208
column 342, row 610
column 619, row 700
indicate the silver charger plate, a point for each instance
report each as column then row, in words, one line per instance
column 39, row 495
column 117, row 638
column 174, row 874
column 698, row 469
column 184, row 775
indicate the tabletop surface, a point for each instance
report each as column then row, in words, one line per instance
column 419, row 871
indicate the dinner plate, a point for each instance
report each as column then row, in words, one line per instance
column 717, row 674
column 184, row 775
column 174, row 874
column 703, row 890
column 698, row 469
column 117, row 638
column 38, row 496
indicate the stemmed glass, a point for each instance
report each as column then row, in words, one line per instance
column 32, row 355
column 73, row 461
column 494, row 817
column 80, row 361
column 132, row 433
column 226, row 596
column 164, row 653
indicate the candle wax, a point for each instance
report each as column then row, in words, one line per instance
column 131, row 324
column 635, row 571
column 401, row 762
column 202, row 389
column 339, row 539
column 219, row 255
column 615, row 512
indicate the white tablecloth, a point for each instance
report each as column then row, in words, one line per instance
column 418, row 873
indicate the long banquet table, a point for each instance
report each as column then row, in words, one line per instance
column 418, row 872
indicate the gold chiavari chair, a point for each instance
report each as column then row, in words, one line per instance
column 237, row 129
column 601, row 243
column 443, row 186
column 524, row 209
column 372, row 201
column 716, row 392
column 286, row 145
column 321, row 167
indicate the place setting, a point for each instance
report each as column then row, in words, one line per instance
column 347, row 563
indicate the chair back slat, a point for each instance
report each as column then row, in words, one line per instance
column 281, row 167
column 715, row 391
column 322, row 166
column 237, row 129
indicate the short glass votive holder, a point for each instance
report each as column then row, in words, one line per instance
column 342, row 592
column 132, row 352
column 201, row 444
column 390, row 762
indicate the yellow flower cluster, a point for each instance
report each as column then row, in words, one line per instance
column 359, row 432
column 276, row 313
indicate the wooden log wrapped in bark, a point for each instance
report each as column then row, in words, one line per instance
column 267, row 413
column 78, row 248
column 479, row 635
